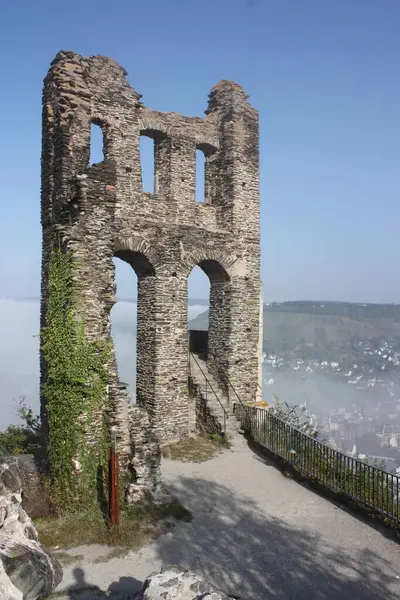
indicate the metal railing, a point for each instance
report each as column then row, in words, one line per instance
column 366, row 484
column 208, row 385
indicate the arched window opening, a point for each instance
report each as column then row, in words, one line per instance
column 124, row 325
column 198, row 311
column 96, row 143
column 147, row 150
column 200, row 175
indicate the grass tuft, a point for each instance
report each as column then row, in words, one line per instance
column 139, row 524
column 196, row 449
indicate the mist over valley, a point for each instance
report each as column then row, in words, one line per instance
column 342, row 360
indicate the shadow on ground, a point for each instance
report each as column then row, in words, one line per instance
column 233, row 545
column 357, row 512
column 125, row 588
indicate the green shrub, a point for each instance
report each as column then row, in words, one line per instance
column 26, row 438
column 220, row 440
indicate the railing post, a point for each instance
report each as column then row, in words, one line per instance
column 113, row 482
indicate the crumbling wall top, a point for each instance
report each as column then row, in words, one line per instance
column 98, row 70
column 227, row 95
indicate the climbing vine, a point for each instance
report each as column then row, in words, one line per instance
column 75, row 389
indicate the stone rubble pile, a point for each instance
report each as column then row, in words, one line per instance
column 27, row 571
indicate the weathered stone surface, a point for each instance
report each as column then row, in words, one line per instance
column 27, row 571
column 174, row 583
column 145, row 464
column 7, row 590
column 23, row 474
column 101, row 211
column 214, row 414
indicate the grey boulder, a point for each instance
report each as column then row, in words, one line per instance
column 174, row 583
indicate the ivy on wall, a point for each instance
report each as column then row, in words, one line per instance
column 75, row 391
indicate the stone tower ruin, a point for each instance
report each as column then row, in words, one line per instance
column 101, row 212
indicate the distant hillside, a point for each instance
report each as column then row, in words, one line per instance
column 352, row 310
column 322, row 323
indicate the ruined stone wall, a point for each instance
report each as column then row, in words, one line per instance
column 101, row 212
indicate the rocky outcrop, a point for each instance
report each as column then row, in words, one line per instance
column 35, row 499
column 174, row 583
column 27, row 571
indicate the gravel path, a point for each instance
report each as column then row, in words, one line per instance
column 255, row 534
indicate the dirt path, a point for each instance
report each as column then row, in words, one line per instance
column 255, row 534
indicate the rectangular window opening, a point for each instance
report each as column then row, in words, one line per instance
column 96, row 144
column 147, row 164
column 200, row 172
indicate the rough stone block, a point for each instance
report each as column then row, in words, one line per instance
column 174, row 583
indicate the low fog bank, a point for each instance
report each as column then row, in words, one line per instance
column 19, row 351
column 344, row 414
column 19, row 368
column 19, row 356
column 321, row 392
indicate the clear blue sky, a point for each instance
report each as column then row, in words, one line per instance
column 325, row 76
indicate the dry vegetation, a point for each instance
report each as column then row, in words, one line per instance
column 138, row 525
column 196, row 449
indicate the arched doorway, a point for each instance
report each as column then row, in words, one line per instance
column 124, row 326
column 140, row 381
column 198, row 311
column 213, row 342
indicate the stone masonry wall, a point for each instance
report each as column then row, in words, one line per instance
column 101, row 212
column 206, row 421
